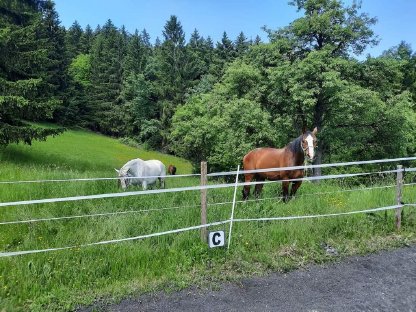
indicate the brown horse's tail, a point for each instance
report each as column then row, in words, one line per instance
column 248, row 164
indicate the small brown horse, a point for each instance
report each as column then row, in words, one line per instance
column 291, row 155
column 172, row 170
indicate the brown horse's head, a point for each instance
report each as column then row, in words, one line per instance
column 172, row 169
column 309, row 143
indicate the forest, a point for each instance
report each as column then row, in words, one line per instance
column 206, row 100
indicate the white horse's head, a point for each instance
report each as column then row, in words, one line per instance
column 123, row 176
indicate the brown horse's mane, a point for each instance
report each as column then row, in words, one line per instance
column 296, row 145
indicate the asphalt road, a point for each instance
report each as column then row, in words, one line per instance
column 385, row 281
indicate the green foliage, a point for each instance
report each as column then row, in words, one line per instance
column 151, row 133
column 78, row 110
column 404, row 55
column 383, row 75
column 242, row 80
column 328, row 24
column 29, row 69
column 365, row 127
column 80, row 70
column 139, row 106
column 222, row 126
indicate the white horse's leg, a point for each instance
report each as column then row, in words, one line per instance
column 144, row 185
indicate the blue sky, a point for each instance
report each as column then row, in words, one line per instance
column 396, row 18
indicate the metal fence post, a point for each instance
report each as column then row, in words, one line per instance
column 204, row 201
column 399, row 187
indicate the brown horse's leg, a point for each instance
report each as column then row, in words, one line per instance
column 295, row 186
column 285, row 188
column 258, row 187
column 246, row 190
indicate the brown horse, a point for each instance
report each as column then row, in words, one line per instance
column 291, row 155
column 172, row 170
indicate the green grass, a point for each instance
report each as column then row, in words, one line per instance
column 77, row 152
column 62, row 280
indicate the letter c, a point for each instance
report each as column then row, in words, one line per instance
column 215, row 239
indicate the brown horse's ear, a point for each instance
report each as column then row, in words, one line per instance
column 315, row 131
column 303, row 129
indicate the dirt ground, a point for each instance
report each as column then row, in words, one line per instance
column 385, row 281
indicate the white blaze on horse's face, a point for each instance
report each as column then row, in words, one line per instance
column 309, row 143
column 311, row 149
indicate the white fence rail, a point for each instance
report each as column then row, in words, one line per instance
column 184, row 189
column 196, row 188
column 197, row 227
column 106, row 214
column 225, row 173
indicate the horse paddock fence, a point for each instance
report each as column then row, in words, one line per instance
column 203, row 188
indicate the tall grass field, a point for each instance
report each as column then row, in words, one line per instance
column 66, row 279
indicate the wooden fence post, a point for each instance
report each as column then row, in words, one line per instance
column 399, row 187
column 204, row 170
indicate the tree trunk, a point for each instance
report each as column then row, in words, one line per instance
column 318, row 160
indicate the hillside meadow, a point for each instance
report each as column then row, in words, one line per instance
column 63, row 280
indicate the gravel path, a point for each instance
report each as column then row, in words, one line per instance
column 379, row 282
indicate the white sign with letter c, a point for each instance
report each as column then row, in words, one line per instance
column 216, row 239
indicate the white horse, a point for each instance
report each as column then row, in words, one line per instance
column 142, row 172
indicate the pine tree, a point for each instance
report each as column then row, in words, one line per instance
column 77, row 108
column 174, row 60
column 195, row 40
column 137, row 54
column 158, row 43
column 87, row 39
column 225, row 48
column 257, row 40
column 145, row 37
column 56, row 71
column 200, row 54
column 209, row 44
column 241, row 44
column 168, row 70
column 146, row 49
column 73, row 40
column 57, row 64
column 224, row 54
column 25, row 94
column 106, row 80
column 208, row 53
